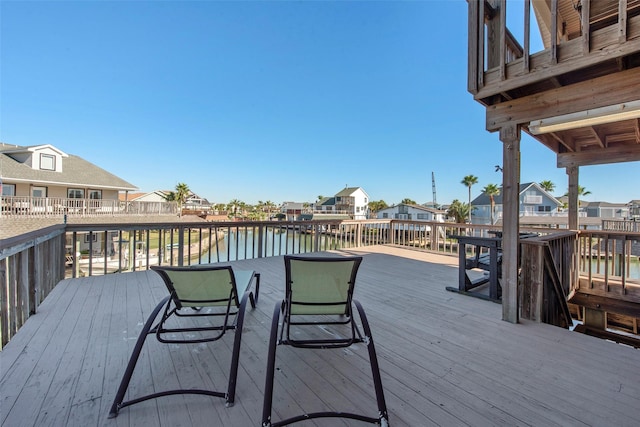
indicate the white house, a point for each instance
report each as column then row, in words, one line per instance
column 411, row 212
column 351, row 201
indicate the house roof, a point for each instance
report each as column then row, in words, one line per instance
column 418, row 207
column 75, row 172
column 607, row 205
column 327, row 201
column 348, row 191
column 483, row 199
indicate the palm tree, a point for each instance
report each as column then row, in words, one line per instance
column 491, row 190
column 232, row 207
column 179, row 196
column 468, row 181
column 377, row 205
column 269, row 206
column 547, row 186
column 459, row 211
column 581, row 192
column 408, row 201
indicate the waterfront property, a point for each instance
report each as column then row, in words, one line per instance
column 445, row 358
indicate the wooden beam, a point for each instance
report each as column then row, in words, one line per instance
column 572, row 171
column 503, row 39
column 527, row 37
column 597, row 136
column 622, row 20
column 584, row 23
column 510, row 137
column 554, row 32
column 472, row 57
column 599, row 92
column 628, row 153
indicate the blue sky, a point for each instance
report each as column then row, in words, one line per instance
column 249, row 100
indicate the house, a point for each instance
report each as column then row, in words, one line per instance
column 411, row 212
column 534, row 201
column 44, row 178
column 193, row 203
column 607, row 210
column 634, row 209
column 351, row 202
column 293, row 210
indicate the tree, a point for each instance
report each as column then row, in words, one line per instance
column 547, row 186
column 491, row 190
column 232, row 208
column 179, row 195
column 468, row 181
column 377, row 205
column 408, row 201
column 459, row 211
column 581, row 192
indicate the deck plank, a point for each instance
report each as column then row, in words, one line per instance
column 445, row 358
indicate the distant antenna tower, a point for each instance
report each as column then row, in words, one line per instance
column 433, row 187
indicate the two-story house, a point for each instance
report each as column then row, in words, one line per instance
column 44, row 179
column 350, row 201
column 534, row 201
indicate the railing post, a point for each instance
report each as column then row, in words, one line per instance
column 180, row 245
column 261, row 234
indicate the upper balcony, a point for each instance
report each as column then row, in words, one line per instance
column 586, row 73
column 50, row 207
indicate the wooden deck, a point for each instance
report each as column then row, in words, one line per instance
column 446, row 359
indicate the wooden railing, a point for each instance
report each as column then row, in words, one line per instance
column 51, row 207
column 499, row 61
column 30, row 267
column 552, row 264
column 546, row 273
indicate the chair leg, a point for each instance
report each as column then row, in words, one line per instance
column 375, row 369
column 133, row 360
column 233, row 372
column 271, row 364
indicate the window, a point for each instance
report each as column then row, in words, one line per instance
column 75, row 193
column 39, row 191
column 47, row 162
column 544, row 208
column 8, row 189
column 95, row 194
column 385, row 215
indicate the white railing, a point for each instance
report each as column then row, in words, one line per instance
column 51, row 207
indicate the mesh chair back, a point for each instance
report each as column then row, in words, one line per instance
column 320, row 285
column 201, row 286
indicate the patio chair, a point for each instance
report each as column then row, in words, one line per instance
column 319, row 292
column 217, row 293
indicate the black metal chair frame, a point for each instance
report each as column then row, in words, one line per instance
column 281, row 335
column 233, row 320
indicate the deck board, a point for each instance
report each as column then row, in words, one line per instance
column 446, row 359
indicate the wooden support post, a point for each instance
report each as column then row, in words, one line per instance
column 510, row 136
column 573, row 197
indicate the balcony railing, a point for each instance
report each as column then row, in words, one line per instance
column 32, row 264
column 51, row 207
